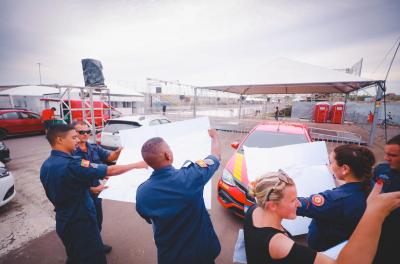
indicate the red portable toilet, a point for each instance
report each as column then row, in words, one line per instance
column 337, row 112
column 321, row 112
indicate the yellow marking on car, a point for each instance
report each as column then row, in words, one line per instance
column 237, row 168
column 224, row 186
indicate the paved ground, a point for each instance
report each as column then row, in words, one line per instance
column 29, row 214
column 130, row 235
column 27, row 226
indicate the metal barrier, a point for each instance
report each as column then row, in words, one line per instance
column 335, row 136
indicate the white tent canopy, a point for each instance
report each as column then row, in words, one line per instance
column 30, row 90
column 285, row 76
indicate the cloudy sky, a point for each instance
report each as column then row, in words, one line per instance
column 194, row 42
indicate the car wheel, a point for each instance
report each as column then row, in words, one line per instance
column 3, row 134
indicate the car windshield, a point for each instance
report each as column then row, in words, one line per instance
column 114, row 126
column 270, row 139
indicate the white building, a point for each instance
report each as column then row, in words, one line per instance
column 31, row 97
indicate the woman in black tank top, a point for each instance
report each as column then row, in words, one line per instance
column 266, row 241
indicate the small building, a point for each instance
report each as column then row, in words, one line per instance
column 31, row 97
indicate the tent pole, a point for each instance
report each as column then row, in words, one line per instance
column 194, row 102
column 346, row 97
column 240, row 106
column 11, row 100
column 377, row 112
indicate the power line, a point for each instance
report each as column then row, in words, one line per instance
column 384, row 58
column 391, row 63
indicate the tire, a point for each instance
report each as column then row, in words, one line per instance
column 3, row 134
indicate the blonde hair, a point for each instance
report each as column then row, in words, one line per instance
column 269, row 187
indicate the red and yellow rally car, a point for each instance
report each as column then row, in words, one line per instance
column 232, row 186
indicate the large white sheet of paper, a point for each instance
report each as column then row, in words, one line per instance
column 188, row 140
column 333, row 252
column 305, row 163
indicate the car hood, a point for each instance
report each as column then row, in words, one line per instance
column 237, row 167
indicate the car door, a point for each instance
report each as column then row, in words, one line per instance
column 37, row 125
column 27, row 125
column 10, row 122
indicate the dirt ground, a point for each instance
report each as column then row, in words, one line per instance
column 27, row 222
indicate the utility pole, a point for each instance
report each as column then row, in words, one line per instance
column 40, row 74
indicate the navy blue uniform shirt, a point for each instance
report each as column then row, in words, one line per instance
column 335, row 214
column 66, row 180
column 389, row 241
column 98, row 155
column 95, row 154
column 172, row 200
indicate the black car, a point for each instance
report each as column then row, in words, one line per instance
column 4, row 153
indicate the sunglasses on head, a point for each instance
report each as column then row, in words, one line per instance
column 83, row 132
column 282, row 178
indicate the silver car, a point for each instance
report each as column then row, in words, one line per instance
column 110, row 135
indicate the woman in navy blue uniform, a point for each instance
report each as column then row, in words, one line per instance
column 335, row 213
column 266, row 241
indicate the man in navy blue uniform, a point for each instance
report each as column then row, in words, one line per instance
column 172, row 201
column 95, row 154
column 389, row 173
column 66, row 180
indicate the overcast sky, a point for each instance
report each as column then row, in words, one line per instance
column 192, row 41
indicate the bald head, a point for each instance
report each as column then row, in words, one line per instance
column 156, row 153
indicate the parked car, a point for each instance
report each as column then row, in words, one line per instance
column 4, row 153
column 110, row 135
column 232, row 186
column 7, row 191
column 18, row 122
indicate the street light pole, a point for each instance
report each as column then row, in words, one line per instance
column 40, row 74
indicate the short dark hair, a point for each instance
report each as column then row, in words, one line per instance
column 151, row 150
column 78, row 123
column 57, row 130
column 394, row 140
column 53, row 108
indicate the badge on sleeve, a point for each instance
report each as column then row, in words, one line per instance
column 202, row 163
column 209, row 162
column 94, row 165
column 187, row 164
column 318, row 200
column 85, row 163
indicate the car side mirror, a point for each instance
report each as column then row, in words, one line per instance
column 235, row 145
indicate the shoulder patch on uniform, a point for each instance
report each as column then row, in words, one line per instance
column 85, row 163
column 209, row 162
column 318, row 200
column 187, row 164
column 94, row 165
column 202, row 163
